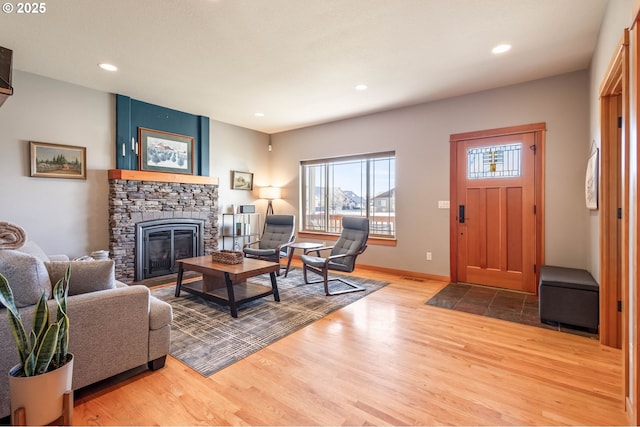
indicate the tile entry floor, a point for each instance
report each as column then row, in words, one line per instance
column 498, row 303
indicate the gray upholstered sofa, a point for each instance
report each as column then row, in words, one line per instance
column 113, row 327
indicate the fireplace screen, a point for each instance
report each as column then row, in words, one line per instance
column 160, row 243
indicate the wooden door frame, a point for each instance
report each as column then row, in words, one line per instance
column 615, row 85
column 539, row 130
column 616, row 192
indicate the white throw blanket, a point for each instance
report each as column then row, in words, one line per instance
column 12, row 236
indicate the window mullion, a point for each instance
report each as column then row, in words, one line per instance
column 304, row 195
column 327, row 215
column 368, row 183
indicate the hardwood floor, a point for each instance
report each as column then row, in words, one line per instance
column 387, row 359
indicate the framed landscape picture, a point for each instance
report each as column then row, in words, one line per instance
column 241, row 180
column 165, row 152
column 57, row 160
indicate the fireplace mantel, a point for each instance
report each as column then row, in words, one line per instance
column 134, row 175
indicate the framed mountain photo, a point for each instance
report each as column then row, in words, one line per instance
column 165, row 152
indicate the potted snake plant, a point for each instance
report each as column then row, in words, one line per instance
column 43, row 376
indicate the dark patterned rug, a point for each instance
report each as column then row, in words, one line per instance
column 205, row 337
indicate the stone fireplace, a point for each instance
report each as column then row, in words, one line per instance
column 173, row 206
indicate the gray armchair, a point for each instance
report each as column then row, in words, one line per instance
column 352, row 242
column 278, row 234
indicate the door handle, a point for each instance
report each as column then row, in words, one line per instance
column 461, row 214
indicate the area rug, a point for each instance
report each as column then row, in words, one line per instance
column 205, row 337
column 513, row 306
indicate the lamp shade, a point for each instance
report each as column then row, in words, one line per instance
column 270, row 193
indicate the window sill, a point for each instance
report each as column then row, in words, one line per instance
column 378, row 241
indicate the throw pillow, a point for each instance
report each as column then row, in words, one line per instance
column 27, row 276
column 86, row 276
column 32, row 248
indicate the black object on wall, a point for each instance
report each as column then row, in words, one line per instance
column 6, row 60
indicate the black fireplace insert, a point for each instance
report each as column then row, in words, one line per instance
column 159, row 243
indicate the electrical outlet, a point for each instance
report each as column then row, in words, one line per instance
column 429, row 258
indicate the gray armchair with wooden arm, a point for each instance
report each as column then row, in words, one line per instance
column 352, row 242
column 278, row 234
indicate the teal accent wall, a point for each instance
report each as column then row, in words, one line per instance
column 132, row 114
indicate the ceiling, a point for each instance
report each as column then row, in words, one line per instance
column 298, row 61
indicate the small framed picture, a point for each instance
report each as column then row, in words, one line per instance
column 57, row 160
column 165, row 152
column 241, row 180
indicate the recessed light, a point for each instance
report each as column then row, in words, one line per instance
column 108, row 67
column 259, row 114
column 501, row 48
column 361, row 87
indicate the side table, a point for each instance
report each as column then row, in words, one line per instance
column 306, row 246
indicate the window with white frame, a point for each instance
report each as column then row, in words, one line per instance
column 361, row 185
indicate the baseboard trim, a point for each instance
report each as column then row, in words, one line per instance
column 630, row 411
column 407, row 273
column 403, row 272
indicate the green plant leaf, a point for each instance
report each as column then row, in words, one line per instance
column 19, row 335
column 47, row 349
column 18, row 331
column 6, row 296
column 34, row 345
column 62, row 347
column 41, row 317
column 33, row 340
column 29, row 364
column 60, row 293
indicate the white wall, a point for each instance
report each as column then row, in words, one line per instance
column 617, row 18
column 71, row 216
column 420, row 137
column 63, row 215
column 240, row 149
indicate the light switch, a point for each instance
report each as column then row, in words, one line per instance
column 443, row 204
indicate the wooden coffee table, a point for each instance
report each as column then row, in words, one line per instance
column 226, row 284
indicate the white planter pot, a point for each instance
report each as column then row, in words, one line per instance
column 41, row 395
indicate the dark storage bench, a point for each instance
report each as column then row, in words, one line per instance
column 569, row 296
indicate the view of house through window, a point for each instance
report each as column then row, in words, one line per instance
column 361, row 185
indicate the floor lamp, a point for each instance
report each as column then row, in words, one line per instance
column 270, row 193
